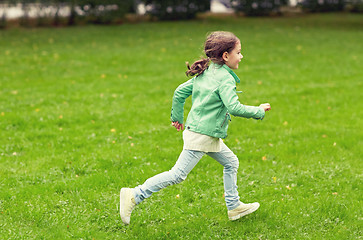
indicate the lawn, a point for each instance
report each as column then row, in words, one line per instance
column 86, row 110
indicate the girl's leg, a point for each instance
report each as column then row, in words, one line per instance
column 186, row 162
column 230, row 163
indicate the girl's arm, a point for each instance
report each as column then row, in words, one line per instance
column 181, row 93
column 227, row 92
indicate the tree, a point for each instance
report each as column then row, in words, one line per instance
column 176, row 9
column 258, row 7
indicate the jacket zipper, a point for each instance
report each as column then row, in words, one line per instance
column 224, row 120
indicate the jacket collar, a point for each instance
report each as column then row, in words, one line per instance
column 215, row 65
column 232, row 73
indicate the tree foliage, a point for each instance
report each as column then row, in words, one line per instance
column 356, row 6
column 258, row 7
column 103, row 11
column 80, row 11
column 323, row 5
column 176, row 9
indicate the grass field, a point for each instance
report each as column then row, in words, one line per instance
column 85, row 111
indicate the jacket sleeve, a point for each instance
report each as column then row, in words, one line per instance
column 227, row 92
column 180, row 94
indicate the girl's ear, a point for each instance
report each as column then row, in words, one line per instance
column 225, row 56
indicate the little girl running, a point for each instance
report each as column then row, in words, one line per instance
column 214, row 98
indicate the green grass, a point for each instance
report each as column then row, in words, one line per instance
column 85, row 111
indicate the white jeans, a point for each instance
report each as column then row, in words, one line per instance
column 186, row 162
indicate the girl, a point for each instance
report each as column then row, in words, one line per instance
column 214, row 98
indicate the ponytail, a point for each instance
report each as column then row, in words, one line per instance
column 197, row 67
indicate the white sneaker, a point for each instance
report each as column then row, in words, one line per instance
column 242, row 210
column 127, row 204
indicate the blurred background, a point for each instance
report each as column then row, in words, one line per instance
column 77, row 12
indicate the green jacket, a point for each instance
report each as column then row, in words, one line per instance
column 214, row 98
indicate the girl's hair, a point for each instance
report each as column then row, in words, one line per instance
column 216, row 44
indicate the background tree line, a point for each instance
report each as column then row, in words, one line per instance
column 72, row 12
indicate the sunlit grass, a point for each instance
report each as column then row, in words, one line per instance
column 85, row 111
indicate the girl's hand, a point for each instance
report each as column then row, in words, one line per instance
column 265, row 106
column 178, row 126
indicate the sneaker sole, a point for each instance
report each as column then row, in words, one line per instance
column 251, row 210
column 122, row 192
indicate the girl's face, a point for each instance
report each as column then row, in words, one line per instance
column 232, row 58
